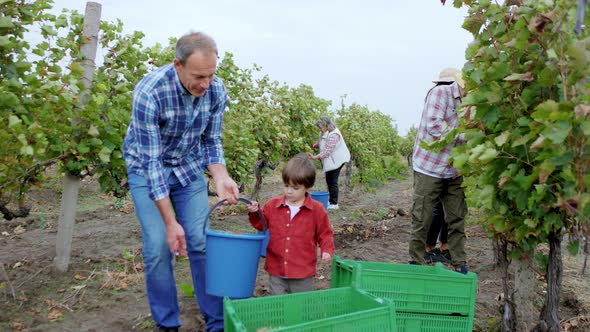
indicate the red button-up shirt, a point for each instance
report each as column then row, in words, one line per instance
column 292, row 249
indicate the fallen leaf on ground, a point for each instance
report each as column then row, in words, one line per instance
column 55, row 315
column 17, row 326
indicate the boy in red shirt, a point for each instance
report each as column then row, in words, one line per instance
column 297, row 224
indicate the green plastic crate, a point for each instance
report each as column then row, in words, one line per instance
column 337, row 309
column 413, row 288
column 424, row 322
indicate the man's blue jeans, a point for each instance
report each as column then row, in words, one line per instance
column 191, row 206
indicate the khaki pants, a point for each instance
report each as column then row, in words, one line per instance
column 427, row 190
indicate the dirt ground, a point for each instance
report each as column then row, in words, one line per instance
column 104, row 287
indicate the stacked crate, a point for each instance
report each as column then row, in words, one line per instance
column 426, row 298
column 343, row 309
column 365, row 297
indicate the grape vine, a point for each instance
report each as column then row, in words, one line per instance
column 41, row 127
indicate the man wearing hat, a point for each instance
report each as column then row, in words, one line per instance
column 434, row 177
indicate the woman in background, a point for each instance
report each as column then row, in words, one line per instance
column 333, row 154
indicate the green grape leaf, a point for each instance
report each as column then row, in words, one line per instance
column 502, row 138
column 187, row 289
column 93, row 131
column 488, row 155
column 14, row 121
column 105, row 155
column 6, row 23
column 573, row 247
column 519, row 77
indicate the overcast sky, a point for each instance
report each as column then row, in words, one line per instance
column 381, row 53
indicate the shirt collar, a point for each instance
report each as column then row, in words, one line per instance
column 179, row 85
column 455, row 90
column 306, row 203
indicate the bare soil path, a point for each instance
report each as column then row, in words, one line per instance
column 104, row 289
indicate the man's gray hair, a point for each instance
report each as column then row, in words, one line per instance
column 194, row 41
column 326, row 122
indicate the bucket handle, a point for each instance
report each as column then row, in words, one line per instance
column 239, row 199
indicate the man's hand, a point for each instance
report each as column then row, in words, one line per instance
column 174, row 232
column 326, row 257
column 176, row 240
column 226, row 187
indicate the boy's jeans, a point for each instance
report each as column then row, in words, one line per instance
column 191, row 206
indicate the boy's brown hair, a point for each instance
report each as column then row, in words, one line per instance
column 299, row 171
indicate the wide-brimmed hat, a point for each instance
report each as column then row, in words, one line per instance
column 451, row 75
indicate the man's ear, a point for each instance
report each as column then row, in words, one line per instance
column 177, row 63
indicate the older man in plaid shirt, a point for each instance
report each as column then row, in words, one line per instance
column 434, row 177
column 174, row 134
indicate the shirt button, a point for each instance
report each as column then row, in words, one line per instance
column 288, row 225
column 285, row 263
column 288, row 238
column 286, row 250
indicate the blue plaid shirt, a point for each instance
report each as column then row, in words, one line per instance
column 170, row 128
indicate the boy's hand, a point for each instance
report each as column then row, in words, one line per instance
column 326, row 257
column 253, row 207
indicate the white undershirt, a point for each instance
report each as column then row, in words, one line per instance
column 294, row 209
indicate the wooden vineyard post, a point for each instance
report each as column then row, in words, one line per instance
column 67, row 216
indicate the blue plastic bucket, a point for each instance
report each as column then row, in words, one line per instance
column 264, row 242
column 232, row 262
column 320, row 196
